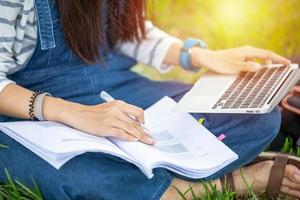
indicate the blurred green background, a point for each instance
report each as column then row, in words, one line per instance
column 269, row 24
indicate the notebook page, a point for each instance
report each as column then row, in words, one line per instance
column 182, row 145
column 57, row 143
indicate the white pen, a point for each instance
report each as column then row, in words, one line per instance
column 107, row 98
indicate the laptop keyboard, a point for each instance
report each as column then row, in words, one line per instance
column 252, row 89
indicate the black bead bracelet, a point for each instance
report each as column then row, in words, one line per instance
column 31, row 105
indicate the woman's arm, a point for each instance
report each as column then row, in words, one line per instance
column 152, row 50
column 106, row 119
column 14, row 101
column 162, row 50
column 228, row 61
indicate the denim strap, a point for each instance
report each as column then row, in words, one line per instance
column 45, row 26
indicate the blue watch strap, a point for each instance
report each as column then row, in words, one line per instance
column 185, row 55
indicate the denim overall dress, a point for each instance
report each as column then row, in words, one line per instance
column 54, row 68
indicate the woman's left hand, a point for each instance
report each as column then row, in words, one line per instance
column 233, row 61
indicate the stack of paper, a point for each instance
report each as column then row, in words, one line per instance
column 182, row 144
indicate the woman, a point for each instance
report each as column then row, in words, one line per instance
column 73, row 50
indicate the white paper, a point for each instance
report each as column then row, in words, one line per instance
column 57, row 143
column 182, row 144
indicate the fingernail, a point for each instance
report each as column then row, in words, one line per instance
column 257, row 66
column 149, row 140
column 140, row 121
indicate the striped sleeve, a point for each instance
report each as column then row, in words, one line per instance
column 152, row 50
column 18, row 33
column 8, row 15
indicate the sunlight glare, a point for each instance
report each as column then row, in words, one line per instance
column 232, row 12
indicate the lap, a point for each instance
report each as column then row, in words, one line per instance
column 88, row 176
column 107, row 176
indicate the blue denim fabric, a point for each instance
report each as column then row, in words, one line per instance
column 45, row 26
column 55, row 69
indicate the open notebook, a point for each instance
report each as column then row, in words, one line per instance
column 182, row 144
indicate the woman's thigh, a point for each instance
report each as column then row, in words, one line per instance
column 246, row 134
column 88, row 176
column 99, row 176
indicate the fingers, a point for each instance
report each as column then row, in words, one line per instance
column 267, row 56
column 125, row 118
column 253, row 53
column 132, row 110
column 121, row 134
column 268, row 62
column 121, row 113
column 251, row 66
column 133, row 129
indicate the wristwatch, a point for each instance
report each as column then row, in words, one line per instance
column 185, row 53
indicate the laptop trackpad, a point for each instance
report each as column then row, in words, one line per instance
column 212, row 86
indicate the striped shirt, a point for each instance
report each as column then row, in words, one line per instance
column 18, row 38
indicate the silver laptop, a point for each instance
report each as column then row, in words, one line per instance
column 248, row 92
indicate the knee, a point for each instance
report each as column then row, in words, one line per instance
column 269, row 124
column 62, row 189
column 85, row 189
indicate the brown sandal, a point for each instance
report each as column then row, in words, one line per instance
column 276, row 174
column 277, row 170
column 227, row 182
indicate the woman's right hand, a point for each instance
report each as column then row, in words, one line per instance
column 235, row 60
column 109, row 119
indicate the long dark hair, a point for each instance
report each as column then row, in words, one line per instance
column 82, row 22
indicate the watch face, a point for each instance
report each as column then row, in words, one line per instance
column 202, row 44
column 190, row 42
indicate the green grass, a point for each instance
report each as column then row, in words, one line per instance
column 221, row 24
column 211, row 192
column 224, row 24
column 290, row 147
column 269, row 24
column 3, row 146
column 15, row 190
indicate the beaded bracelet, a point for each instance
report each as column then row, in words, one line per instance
column 31, row 105
column 38, row 106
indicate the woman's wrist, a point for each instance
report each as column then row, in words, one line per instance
column 173, row 54
column 199, row 56
column 57, row 109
